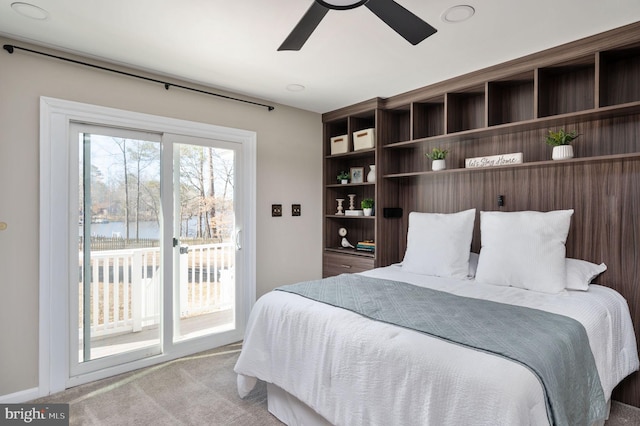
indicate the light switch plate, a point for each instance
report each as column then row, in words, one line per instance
column 276, row 210
column 296, row 210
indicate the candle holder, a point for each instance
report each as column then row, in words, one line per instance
column 340, row 211
column 352, row 201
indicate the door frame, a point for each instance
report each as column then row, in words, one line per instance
column 56, row 116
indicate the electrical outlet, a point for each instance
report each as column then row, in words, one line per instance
column 296, row 210
column 276, row 210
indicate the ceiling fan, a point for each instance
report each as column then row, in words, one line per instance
column 405, row 23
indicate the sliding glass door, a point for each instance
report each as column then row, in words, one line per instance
column 156, row 244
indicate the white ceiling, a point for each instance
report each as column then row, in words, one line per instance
column 351, row 57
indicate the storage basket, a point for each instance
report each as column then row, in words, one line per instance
column 363, row 139
column 339, row 144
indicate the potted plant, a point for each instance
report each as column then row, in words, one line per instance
column 438, row 156
column 343, row 177
column 560, row 141
column 367, row 206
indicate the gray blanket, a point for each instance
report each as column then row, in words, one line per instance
column 554, row 347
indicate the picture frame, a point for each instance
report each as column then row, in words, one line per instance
column 357, row 174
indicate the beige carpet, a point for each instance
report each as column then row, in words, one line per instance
column 195, row 390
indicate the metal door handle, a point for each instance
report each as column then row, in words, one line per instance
column 238, row 239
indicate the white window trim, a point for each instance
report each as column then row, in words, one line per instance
column 55, row 118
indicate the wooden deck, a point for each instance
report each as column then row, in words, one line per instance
column 189, row 327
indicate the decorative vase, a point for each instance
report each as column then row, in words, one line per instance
column 344, row 181
column 562, row 152
column 367, row 212
column 371, row 176
column 438, row 165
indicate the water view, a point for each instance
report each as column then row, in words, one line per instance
column 148, row 229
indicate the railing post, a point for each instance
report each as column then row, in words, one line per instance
column 227, row 275
column 184, row 284
column 136, row 290
column 95, row 290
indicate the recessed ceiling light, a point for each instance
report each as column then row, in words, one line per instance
column 30, row 11
column 295, row 87
column 459, row 13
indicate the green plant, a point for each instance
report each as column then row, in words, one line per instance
column 343, row 176
column 560, row 137
column 437, row 154
column 367, row 203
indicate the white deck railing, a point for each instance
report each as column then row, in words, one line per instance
column 126, row 288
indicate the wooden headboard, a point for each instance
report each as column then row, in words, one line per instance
column 605, row 195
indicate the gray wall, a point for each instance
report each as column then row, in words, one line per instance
column 289, row 171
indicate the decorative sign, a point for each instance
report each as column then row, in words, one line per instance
column 494, row 160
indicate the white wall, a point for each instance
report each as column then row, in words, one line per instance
column 289, row 171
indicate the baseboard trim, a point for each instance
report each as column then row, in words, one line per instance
column 633, row 407
column 19, row 397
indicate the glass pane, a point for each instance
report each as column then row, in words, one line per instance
column 204, row 281
column 118, row 245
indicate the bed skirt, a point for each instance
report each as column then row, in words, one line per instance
column 291, row 411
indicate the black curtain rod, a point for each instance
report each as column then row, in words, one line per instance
column 10, row 48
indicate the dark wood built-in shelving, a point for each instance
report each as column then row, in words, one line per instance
column 525, row 125
column 591, row 86
column 533, row 164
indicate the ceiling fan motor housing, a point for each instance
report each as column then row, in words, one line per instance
column 341, row 4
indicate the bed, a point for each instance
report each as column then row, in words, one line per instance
column 325, row 364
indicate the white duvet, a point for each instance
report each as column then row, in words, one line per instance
column 355, row 371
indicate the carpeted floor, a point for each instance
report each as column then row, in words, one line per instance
column 195, row 390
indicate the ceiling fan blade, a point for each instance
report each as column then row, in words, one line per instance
column 305, row 27
column 405, row 23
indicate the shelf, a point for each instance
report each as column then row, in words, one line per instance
column 428, row 118
column 349, row 251
column 335, row 216
column 465, row 110
column 352, row 154
column 333, row 192
column 347, row 185
column 567, row 87
column 545, row 122
column 337, row 163
column 511, row 101
column 532, row 164
column 619, row 71
column 396, row 123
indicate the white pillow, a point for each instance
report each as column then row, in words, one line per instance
column 580, row 273
column 524, row 249
column 438, row 243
